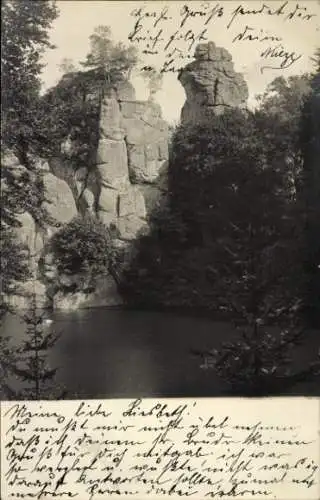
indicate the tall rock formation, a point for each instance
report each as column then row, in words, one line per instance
column 116, row 167
column 132, row 154
column 211, row 84
column 120, row 183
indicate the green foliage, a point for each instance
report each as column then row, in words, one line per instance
column 236, row 236
column 282, row 103
column 29, row 363
column 310, row 199
column 22, row 191
column 82, row 248
column 24, row 38
column 14, row 262
column 154, row 80
column 67, row 66
column 225, row 242
column 114, row 59
column 316, row 60
column 70, row 111
column 260, row 362
column 151, row 278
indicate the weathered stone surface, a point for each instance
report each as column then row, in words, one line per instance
column 141, row 169
column 135, row 131
column 211, row 84
column 106, row 294
column 108, row 201
column 151, row 151
column 124, row 91
column 60, row 205
column 131, row 203
column 144, row 165
column 163, row 149
column 112, row 163
column 136, row 160
column 133, row 109
column 110, row 120
column 28, row 233
column 131, row 227
column 90, row 201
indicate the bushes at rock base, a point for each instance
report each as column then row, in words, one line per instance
column 81, row 252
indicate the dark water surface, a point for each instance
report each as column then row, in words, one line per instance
column 121, row 353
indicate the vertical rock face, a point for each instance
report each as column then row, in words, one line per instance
column 60, row 206
column 132, row 153
column 211, row 84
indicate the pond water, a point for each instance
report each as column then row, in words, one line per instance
column 121, row 353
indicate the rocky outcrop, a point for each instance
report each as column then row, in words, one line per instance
column 60, row 206
column 211, row 84
column 119, row 173
column 121, row 183
column 132, row 152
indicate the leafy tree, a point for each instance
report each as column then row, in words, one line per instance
column 282, row 102
column 150, row 279
column 82, row 248
column 227, row 183
column 316, row 60
column 260, row 364
column 67, row 66
column 154, row 80
column 112, row 59
column 66, row 113
column 14, row 266
column 24, row 37
column 310, row 199
column 29, row 363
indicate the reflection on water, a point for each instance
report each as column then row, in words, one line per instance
column 117, row 353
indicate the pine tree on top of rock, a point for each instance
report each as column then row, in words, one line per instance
column 114, row 59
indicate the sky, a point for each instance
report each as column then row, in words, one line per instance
column 285, row 33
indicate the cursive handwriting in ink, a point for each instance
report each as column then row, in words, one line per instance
column 206, row 13
column 139, row 448
column 172, row 39
column 300, row 12
column 278, row 52
column 253, row 35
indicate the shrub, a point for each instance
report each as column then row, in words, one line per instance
column 82, row 247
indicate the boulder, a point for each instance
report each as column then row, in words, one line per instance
column 211, row 84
